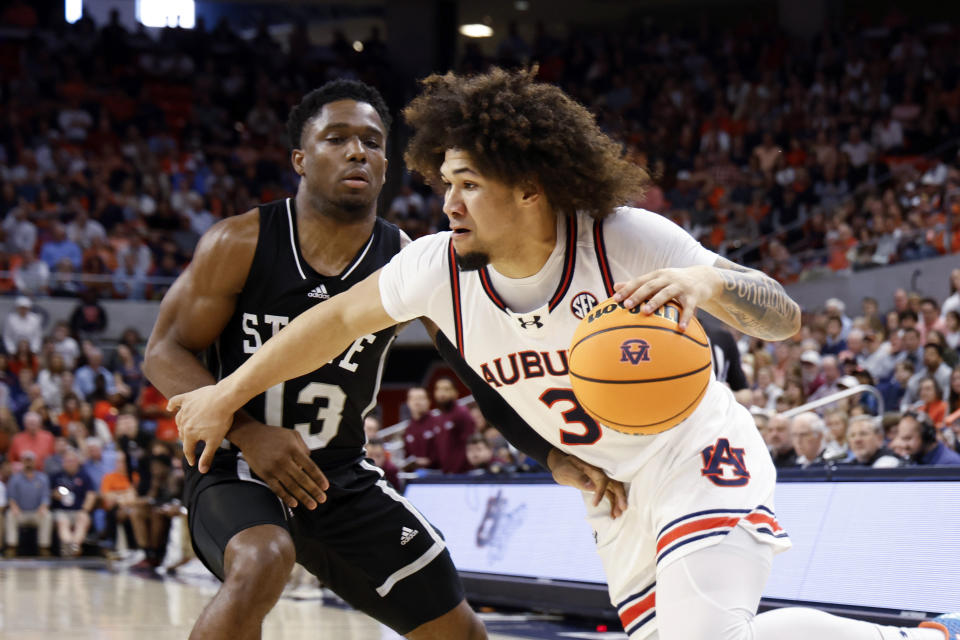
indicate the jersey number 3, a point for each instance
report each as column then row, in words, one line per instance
column 574, row 415
column 314, row 393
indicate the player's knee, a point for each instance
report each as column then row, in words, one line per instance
column 261, row 559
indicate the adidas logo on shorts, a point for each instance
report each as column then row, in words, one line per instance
column 319, row 292
column 406, row 535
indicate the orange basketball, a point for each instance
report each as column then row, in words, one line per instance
column 638, row 373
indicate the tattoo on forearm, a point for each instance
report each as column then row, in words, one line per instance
column 758, row 303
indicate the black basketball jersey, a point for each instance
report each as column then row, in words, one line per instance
column 328, row 405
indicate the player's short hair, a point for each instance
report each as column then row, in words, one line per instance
column 313, row 102
column 518, row 130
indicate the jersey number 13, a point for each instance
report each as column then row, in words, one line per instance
column 314, row 394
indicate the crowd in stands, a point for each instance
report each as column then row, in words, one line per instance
column 86, row 442
column 910, row 352
column 796, row 157
column 118, row 149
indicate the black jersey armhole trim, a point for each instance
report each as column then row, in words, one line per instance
column 601, row 248
column 455, row 295
column 569, row 263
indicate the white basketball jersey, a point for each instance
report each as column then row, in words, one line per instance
column 524, row 355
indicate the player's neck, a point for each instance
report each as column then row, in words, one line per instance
column 328, row 242
column 534, row 242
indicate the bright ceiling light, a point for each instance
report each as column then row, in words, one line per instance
column 72, row 10
column 357, row 46
column 166, row 13
column 476, row 30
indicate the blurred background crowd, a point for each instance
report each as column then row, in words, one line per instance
column 119, row 148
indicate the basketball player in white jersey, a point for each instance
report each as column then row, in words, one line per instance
column 532, row 194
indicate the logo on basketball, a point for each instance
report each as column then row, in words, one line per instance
column 582, row 303
column 635, row 351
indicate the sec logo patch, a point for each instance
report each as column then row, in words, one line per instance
column 582, row 303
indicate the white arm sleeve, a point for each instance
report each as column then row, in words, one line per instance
column 416, row 282
column 640, row 241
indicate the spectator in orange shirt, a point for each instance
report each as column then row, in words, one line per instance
column 32, row 438
column 24, row 358
column 153, row 408
column 70, row 412
column 931, row 401
column 119, row 498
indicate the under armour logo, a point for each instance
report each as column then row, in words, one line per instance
column 526, row 324
column 635, row 351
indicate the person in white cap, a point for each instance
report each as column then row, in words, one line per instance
column 810, row 371
column 23, row 324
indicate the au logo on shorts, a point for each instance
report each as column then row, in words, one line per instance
column 635, row 351
column 724, row 465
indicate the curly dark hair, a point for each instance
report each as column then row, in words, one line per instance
column 518, row 130
column 313, row 102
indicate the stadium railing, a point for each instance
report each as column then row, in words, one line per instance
column 834, row 397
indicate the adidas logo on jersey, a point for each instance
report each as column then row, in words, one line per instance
column 406, row 535
column 319, row 292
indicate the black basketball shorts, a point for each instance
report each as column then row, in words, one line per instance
column 367, row 543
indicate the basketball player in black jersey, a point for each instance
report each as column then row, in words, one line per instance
column 250, row 276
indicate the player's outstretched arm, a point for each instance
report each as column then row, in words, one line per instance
column 192, row 315
column 307, row 343
column 746, row 299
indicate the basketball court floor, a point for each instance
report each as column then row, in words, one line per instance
column 86, row 601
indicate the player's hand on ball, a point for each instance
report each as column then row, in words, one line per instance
column 282, row 459
column 689, row 286
column 201, row 417
column 573, row 472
